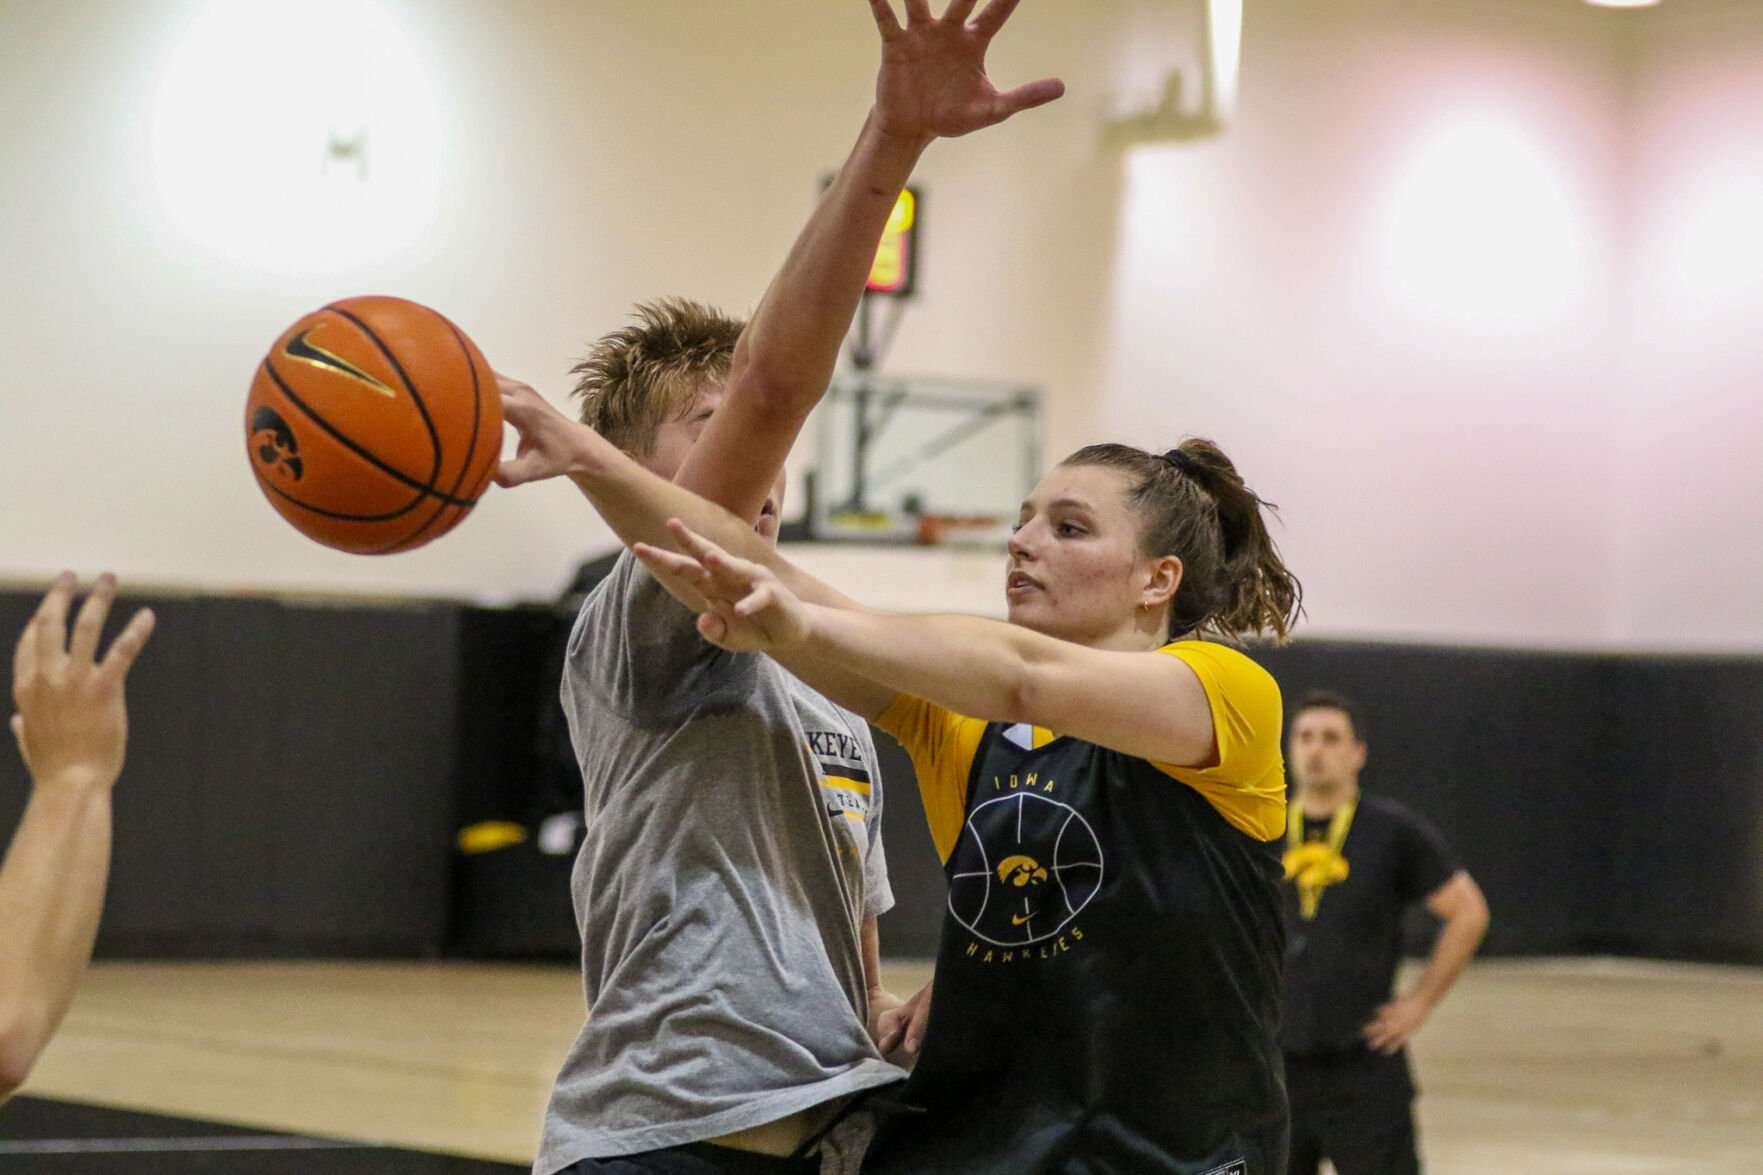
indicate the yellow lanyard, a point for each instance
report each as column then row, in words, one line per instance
column 1316, row 865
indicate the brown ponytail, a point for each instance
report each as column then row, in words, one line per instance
column 1193, row 504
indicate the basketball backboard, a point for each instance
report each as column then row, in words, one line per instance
column 912, row 459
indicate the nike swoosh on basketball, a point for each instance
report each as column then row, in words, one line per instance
column 298, row 348
column 1016, row 921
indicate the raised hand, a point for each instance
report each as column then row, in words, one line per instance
column 72, row 724
column 749, row 608
column 933, row 82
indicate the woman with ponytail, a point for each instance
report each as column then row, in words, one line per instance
column 1104, row 783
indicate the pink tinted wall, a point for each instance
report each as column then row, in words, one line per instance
column 1689, row 449
column 1391, row 292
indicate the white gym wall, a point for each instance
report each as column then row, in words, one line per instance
column 1469, row 287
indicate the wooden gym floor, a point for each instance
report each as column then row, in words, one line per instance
column 1560, row 1066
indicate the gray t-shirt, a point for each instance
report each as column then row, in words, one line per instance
column 732, row 851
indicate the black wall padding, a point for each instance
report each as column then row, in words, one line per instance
column 1606, row 804
column 298, row 774
column 515, row 765
column 913, row 925
column 289, row 787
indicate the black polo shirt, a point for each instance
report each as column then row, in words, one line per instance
column 1341, row 964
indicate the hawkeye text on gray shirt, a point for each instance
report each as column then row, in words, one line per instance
column 732, row 850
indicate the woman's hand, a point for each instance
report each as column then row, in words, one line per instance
column 749, row 610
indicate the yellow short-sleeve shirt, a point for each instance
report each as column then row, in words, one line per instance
column 1246, row 784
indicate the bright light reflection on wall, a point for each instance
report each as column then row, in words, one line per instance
column 297, row 136
column 1712, row 239
column 1225, row 25
column 1481, row 227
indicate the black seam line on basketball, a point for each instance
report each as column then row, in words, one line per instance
column 279, row 492
column 395, row 474
column 410, row 540
column 415, row 396
column 476, row 404
column 400, row 544
column 322, row 423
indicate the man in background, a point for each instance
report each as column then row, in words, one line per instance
column 1354, row 866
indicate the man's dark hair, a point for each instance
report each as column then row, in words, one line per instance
column 1318, row 699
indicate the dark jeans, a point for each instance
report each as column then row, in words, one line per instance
column 1354, row 1109
column 695, row 1158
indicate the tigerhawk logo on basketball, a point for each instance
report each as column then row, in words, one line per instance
column 1024, row 868
column 275, row 444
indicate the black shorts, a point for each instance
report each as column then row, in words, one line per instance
column 1354, row 1109
column 695, row 1158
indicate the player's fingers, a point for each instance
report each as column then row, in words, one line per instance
column 513, row 389
column 737, row 576
column 918, row 12
column 885, row 20
column 515, row 409
column 730, row 571
column 725, row 567
column 712, row 627
column 51, row 623
column 129, row 643
column 1027, row 97
column 665, row 558
column 520, row 469
column 915, row 1029
column 82, row 649
column 17, row 725
column 667, row 562
column 756, row 601
column 991, row 18
column 24, row 656
column 693, row 542
column 958, row 11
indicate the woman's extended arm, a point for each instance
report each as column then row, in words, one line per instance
column 1145, row 704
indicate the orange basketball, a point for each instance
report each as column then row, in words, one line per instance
column 373, row 425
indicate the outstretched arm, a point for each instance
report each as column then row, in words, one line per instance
column 1144, row 704
column 637, row 504
column 71, row 728
column 931, row 84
